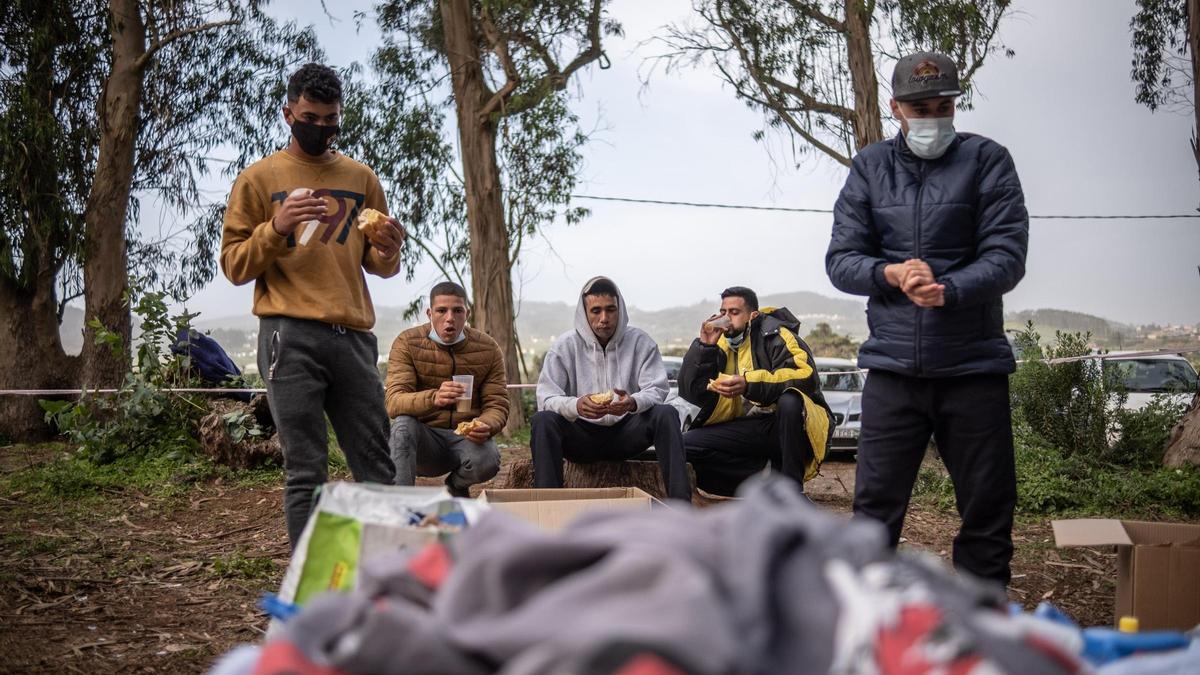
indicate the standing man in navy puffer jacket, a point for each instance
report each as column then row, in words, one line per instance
column 931, row 225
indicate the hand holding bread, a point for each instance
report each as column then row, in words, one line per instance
column 475, row 430
column 728, row 385
column 384, row 232
column 611, row 402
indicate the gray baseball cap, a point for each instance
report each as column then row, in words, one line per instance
column 925, row 75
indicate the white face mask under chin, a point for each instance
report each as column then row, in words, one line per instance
column 929, row 137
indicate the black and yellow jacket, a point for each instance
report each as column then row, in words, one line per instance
column 773, row 360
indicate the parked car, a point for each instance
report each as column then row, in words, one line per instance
column 1145, row 377
column 687, row 411
column 842, row 383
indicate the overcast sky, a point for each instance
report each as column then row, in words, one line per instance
column 1063, row 106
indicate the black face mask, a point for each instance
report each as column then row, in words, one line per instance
column 313, row 138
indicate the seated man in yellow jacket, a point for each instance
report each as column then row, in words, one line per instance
column 439, row 427
column 759, row 396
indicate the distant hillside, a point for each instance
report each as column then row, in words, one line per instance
column 1106, row 333
column 540, row 322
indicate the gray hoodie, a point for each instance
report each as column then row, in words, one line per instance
column 577, row 365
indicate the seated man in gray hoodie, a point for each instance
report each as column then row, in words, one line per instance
column 600, row 396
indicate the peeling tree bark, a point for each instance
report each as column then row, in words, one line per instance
column 868, row 128
column 491, row 279
column 105, row 275
column 1183, row 447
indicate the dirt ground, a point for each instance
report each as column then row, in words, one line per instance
column 162, row 585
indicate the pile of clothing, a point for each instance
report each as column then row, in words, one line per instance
column 767, row 584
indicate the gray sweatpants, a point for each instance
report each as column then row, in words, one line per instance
column 421, row 450
column 313, row 369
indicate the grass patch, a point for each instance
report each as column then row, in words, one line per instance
column 1053, row 483
column 519, row 438
column 267, row 476
column 26, row 545
column 74, row 478
column 238, row 565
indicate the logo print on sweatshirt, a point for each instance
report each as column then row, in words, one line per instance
column 349, row 203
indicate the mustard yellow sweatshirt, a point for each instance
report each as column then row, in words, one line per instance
column 323, row 278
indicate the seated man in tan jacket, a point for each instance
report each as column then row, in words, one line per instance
column 438, row 425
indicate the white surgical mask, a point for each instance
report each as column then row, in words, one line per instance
column 928, row 137
column 433, row 335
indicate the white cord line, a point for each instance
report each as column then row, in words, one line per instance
column 218, row 390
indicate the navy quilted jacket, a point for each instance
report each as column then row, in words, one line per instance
column 964, row 214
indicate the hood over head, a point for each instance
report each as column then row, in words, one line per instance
column 584, row 329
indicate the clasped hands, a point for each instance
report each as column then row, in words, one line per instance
column 915, row 279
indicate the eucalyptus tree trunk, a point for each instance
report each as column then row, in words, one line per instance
column 867, row 125
column 105, row 274
column 491, row 279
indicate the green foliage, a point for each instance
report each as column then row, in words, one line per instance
column 242, row 425
column 519, row 438
column 1051, row 482
column 76, row 480
column 407, row 140
column 1077, row 406
column 791, row 60
column 238, row 565
column 27, row 545
column 1161, row 66
column 1144, row 432
column 824, row 342
column 140, row 419
column 200, row 91
column 1073, row 405
column 1065, row 418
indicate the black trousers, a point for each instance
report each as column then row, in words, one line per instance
column 552, row 437
column 313, row 369
column 725, row 454
column 971, row 420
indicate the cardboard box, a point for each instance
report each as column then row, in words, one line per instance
column 1158, row 567
column 553, row 508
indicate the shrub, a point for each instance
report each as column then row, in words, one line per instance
column 1051, row 482
column 1144, row 433
column 1072, row 405
column 140, row 420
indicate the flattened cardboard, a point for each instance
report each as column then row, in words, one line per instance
column 552, row 509
column 1158, row 567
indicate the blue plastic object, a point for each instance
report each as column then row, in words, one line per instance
column 276, row 608
column 1105, row 645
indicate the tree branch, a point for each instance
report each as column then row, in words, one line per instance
column 556, row 79
column 766, row 81
column 174, row 35
column 512, row 77
column 813, row 12
column 809, row 102
column 593, row 50
column 795, row 126
column 429, row 252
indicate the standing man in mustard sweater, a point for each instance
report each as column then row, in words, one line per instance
column 290, row 228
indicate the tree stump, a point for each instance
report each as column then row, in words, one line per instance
column 1183, row 447
column 248, row 453
column 631, row 473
